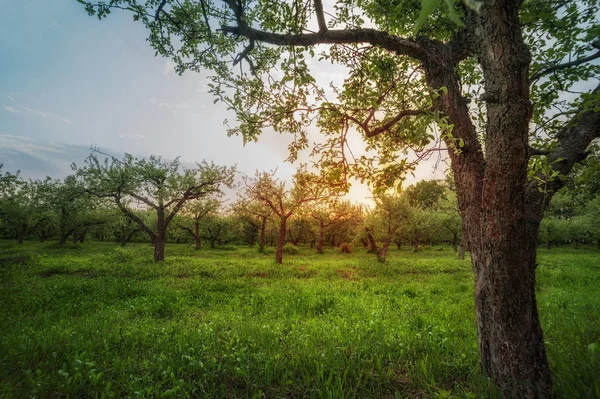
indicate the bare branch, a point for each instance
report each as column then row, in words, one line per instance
column 566, row 65
column 389, row 124
column 244, row 55
column 320, row 16
column 159, row 9
column 129, row 213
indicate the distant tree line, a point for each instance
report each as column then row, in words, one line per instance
column 156, row 201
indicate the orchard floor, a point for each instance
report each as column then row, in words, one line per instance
column 101, row 321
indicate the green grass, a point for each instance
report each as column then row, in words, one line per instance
column 102, row 321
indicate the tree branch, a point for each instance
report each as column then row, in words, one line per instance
column 127, row 212
column 573, row 141
column 386, row 126
column 159, row 9
column 531, row 151
column 320, row 16
column 381, row 39
column 566, row 65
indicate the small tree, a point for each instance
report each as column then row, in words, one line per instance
column 449, row 218
column 265, row 188
column 255, row 212
column 73, row 207
column 327, row 215
column 391, row 213
column 300, row 229
column 219, row 229
column 194, row 212
column 161, row 186
column 22, row 206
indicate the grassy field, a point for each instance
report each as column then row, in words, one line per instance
column 102, row 321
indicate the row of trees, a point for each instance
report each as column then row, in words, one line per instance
column 131, row 186
column 152, row 199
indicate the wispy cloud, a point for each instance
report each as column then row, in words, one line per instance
column 56, row 24
column 11, row 109
column 37, row 112
column 22, row 109
column 29, row 146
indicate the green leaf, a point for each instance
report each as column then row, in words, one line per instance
column 427, row 7
column 452, row 14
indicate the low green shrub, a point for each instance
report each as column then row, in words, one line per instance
column 290, row 249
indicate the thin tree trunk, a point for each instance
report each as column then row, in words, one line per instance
column 161, row 236
column 372, row 244
column 383, row 252
column 263, row 228
column 455, row 241
column 21, row 236
column 197, row 236
column 321, row 239
column 416, row 245
column 281, row 240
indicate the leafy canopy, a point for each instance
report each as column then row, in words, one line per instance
column 278, row 64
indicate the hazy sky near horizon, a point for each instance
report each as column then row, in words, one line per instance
column 71, row 79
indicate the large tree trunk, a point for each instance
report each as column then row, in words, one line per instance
column 159, row 247
column 491, row 199
column 281, row 240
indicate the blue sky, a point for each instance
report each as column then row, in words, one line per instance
column 70, row 78
column 69, row 81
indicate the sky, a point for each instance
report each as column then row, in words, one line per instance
column 69, row 81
